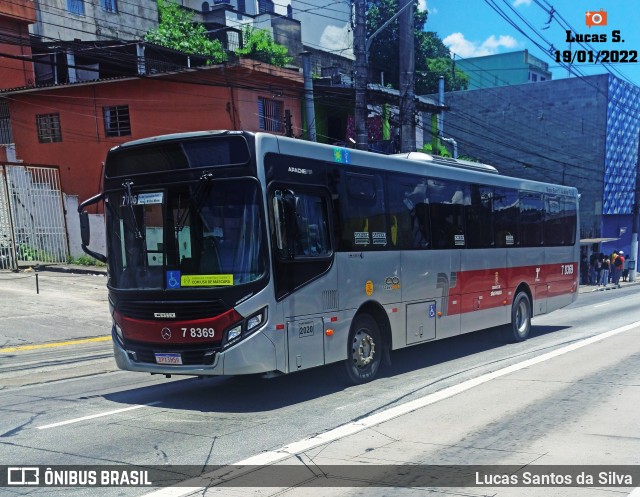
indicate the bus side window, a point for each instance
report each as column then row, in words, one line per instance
column 408, row 211
column 365, row 220
column 479, row 218
column 531, row 219
column 448, row 200
column 506, row 215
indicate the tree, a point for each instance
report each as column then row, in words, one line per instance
column 177, row 30
column 433, row 58
column 259, row 45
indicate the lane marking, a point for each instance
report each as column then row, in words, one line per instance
column 94, row 416
column 54, row 344
column 271, row 457
column 601, row 305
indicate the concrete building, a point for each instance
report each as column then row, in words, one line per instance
column 92, row 20
column 504, row 69
column 581, row 132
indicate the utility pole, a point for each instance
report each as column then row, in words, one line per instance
column 359, row 43
column 308, row 96
column 407, row 78
column 633, row 252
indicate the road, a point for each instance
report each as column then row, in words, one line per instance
column 64, row 403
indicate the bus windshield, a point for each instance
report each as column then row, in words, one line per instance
column 206, row 234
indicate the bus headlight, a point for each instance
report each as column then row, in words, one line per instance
column 234, row 333
column 245, row 328
column 255, row 320
column 118, row 331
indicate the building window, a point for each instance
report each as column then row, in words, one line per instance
column 48, row 128
column 117, row 121
column 534, row 77
column 270, row 114
column 266, row 6
column 109, row 5
column 76, row 7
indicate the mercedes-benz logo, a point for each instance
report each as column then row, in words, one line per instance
column 166, row 333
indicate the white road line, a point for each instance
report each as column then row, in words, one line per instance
column 601, row 305
column 272, row 457
column 94, row 416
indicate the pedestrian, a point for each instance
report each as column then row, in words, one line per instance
column 618, row 266
column 594, row 263
column 584, row 270
column 604, row 271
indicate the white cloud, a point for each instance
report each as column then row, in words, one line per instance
column 459, row 45
column 517, row 3
column 422, row 5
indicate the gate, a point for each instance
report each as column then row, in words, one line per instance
column 32, row 223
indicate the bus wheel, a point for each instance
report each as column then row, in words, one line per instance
column 364, row 350
column 520, row 318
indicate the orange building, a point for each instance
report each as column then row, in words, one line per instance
column 73, row 125
column 15, row 52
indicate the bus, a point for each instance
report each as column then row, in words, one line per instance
column 233, row 253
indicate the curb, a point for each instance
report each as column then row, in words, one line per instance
column 69, row 269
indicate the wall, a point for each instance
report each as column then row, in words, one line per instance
column 15, row 72
column 551, row 131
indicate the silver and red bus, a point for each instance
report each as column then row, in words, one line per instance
column 236, row 253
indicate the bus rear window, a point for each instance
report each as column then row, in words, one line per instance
column 171, row 156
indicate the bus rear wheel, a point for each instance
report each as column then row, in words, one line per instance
column 520, row 318
column 364, row 350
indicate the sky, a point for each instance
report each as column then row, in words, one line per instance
column 471, row 28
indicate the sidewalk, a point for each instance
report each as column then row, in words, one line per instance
column 610, row 286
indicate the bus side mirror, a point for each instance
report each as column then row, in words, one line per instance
column 85, row 229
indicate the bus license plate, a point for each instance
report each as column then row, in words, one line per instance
column 171, row 358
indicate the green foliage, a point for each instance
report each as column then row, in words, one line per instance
column 432, row 59
column 177, row 30
column 84, row 260
column 259, row 45
column 441, row 150
column 30, row 254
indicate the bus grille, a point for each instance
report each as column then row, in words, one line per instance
column 182, row 310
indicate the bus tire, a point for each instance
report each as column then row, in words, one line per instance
column 520, row 318
column 364, row 350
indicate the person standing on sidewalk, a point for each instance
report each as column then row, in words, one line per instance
column 604, row 271
column 618, row 266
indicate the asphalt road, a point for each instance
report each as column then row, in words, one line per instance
column 65, row 403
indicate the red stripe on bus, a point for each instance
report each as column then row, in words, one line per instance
column 490, row 288
column 185, row 331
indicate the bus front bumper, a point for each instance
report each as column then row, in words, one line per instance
column 256, row 354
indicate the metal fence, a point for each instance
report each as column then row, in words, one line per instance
column 32, row 222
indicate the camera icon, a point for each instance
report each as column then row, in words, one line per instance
column 596, row 18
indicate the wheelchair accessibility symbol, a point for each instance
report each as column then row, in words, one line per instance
column 173, row 279
column 432, row 310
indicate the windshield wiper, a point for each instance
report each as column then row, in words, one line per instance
column 196, row 199
column 129, row 200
